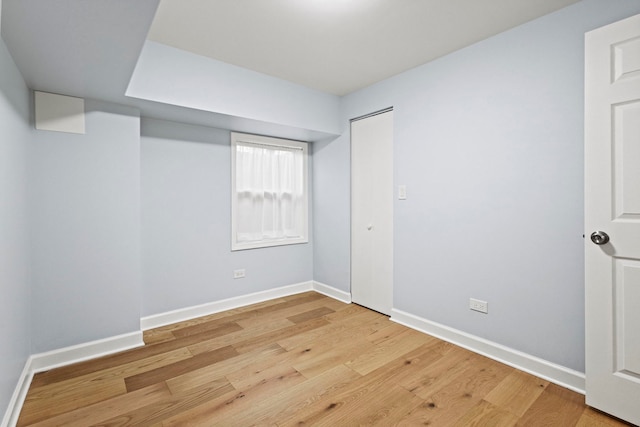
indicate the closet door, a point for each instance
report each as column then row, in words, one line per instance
column 372, row 211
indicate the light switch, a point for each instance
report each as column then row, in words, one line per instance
column 402, row 192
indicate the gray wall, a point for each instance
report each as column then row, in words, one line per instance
column 331, row 201
column 14, row 245
column 186, row 220
column 489, row 142
column 86, row 229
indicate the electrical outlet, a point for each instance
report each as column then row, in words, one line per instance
column 477, row 305
column 238, row 274
column 402, row 192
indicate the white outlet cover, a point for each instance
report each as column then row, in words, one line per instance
column 402, row 192
column 479, row 305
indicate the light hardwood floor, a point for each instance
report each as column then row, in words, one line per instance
column 298, row 361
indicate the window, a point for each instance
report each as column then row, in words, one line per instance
column 269, row 201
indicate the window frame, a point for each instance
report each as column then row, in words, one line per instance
column 239, row 138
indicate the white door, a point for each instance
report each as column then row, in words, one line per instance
column 612, row 206
column 372, row 211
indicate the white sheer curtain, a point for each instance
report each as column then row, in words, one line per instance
column 269, row 191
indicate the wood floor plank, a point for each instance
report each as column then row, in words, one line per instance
column 430, row 379
column 554, row 405
column 593, row 418
column 360, row 325
column 326, row 355
column 348, row 310
column 145, row 379
column 280, row 370
column 117, row 359
column 205, row 413
column 133, row 367
column 101, row 411
column 243, row 400
column 277, row 408
column 153, row 336
column 387, row 350
column 356, row 326
column 59, row 395
column 344, row 407
column 244, row 313
column 391, row 330
column 239, row 336
column 253, row 366
column 285, row 312
column 221, row 316
column 451, row 402
column 312, row 314
column 395, row 372
column 82, row 368
column 202, row 376
column 517, row 392
column 289, row 302
column 43, row 404
column 178, row 385
column 304, row 359
column 386, row 407
column 486, row 414
column 163, row 409
column 401, row 369
column 211, row 331
column 275, row 336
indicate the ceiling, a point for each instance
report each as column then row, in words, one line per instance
column 90, row 48
column 336, row 46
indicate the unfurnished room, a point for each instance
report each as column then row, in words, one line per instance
column 320, row 212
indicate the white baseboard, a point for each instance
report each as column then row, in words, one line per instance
column 557, row 374
column 78, row 353
column 81, row 352
column 541, row 368
column 187, row 313
column 64, row 356
column 332, row 292
column 17, row 399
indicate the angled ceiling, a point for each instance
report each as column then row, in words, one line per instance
column 81, row 48
column 336, row 46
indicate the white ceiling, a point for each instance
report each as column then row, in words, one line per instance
column 336, row 46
